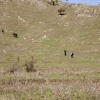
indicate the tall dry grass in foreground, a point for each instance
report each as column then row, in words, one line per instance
column 49, row 86
column 44, row 33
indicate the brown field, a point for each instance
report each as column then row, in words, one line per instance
column 33, row 66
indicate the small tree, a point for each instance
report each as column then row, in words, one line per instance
column 61, row 10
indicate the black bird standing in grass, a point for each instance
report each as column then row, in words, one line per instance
column 3, row 31
column 15, row 35
column 72, row 55
column 65, row 52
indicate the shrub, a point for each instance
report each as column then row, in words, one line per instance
column 30, row 65
column 61, row 10
column 13, row 68
column 51, row 2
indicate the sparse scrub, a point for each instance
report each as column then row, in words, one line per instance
column 12, row 70
column 52, row 2
column 15, row 67
column 15, row 64
column 61, row 11
column 57, row 77
column 30, row 65
column 18, row 59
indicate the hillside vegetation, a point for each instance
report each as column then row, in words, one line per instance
column 33, row 66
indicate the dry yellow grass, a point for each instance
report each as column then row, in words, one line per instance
column 44, row 34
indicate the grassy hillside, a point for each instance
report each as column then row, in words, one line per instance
column 43, row 35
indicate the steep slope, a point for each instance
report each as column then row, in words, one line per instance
column 42, row 30
column 43, row 35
